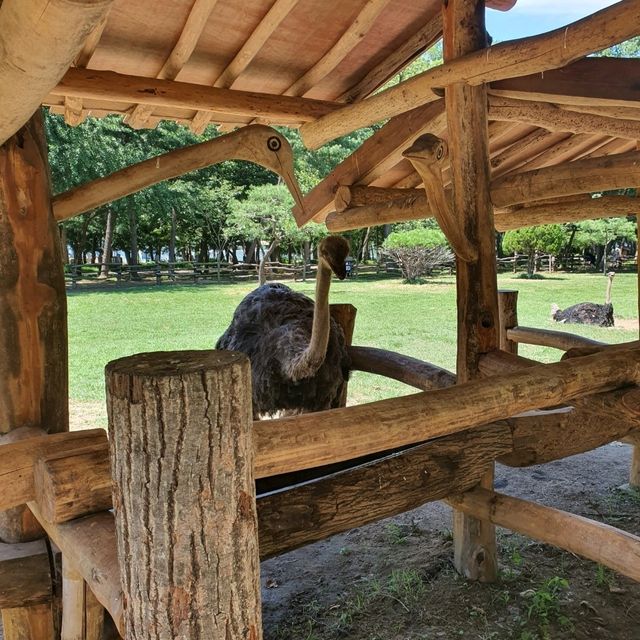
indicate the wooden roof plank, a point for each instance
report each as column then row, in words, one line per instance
column 508, row 59
column 55, row 31
column 356, row 31
column 589, row 82
column 276, row 14
column 180, row 54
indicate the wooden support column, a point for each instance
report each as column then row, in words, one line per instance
column 345, row 316
column 508, row 314
column 634, row 471
column 182, row 457
column 477, row 295
column 33, row 327
column 82, row 614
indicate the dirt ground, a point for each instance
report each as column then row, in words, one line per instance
column 394, row 580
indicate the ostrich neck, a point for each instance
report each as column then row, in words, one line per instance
column 309, row 360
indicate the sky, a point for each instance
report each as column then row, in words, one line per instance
column 530, row 17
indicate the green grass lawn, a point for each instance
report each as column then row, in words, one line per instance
column 417, row 320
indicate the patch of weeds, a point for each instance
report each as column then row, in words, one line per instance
column 545, row 606
column 396, row 534
column 604, row 577
column 406, row 587
column 533, row 276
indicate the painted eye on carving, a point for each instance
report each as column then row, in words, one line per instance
column 274, row 143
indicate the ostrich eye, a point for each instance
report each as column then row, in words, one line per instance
column 274, row 143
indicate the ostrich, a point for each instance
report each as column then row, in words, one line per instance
column 299, row 359
column 588, row 312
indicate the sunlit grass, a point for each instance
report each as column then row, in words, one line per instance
column 417, row 320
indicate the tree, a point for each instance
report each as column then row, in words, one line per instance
column 265, row 215
column 418, row 251
column 547, row 238
column 598, row 237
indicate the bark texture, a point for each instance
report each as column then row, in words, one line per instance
column 184, row 494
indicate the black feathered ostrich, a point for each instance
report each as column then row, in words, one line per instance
column 299, row 359
column 600, row 315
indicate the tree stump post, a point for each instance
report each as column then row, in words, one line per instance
column 508, row 312
column 182, row 458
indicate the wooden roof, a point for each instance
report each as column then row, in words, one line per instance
column 316, row 65
column 334, row 50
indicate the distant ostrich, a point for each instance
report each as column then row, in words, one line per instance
column 588, row 312
column 299, row 359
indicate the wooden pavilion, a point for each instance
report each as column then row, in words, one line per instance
column 533, row 127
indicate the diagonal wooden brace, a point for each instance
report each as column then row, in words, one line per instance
column 426, row 155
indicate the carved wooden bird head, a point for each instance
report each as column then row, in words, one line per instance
column 334, row 251
column 265, row 146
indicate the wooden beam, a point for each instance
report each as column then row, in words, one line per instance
column 416, row 373
column 503, row 162
column 418, row 43
column 89, row 544
column 595, row 541
column 279, row 10
column 622, row 113
column 400, row 482
column 547, row 338
column 586, row 424
column 376, row 155
column 355, row 33
column 592, row 174
column 590, row 82
column 38, row 42
column 25, row 574
column 114, row 87
column 250, row 143
column 349, row 196
column 505, row 60
column 344, row 434
column 179, row 56
column 556, row 186
column 73, row 483
column 553, row 118
column 569, row 211
column 17, row 460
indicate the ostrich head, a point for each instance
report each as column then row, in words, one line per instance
column 265, row 146
column 333, row 251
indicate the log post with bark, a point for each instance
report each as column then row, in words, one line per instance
column 477, row 295
column 33, row 329
column 184, row 495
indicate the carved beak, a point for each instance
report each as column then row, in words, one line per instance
column 294, row 188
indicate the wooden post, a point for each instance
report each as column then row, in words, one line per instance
column 182, row 457
column 345, row 316
column 508, row 313
column 464, row 32
column 82, row 614
column 634, row 471
column 33, row 325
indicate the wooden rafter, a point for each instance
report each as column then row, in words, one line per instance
column 278, row 12
column 396, row 61
column 356, row 31
column 179, row 56
column 566, row 210
column 38, row 42
column 109, row 86
column 505, row 60
column 553, row 118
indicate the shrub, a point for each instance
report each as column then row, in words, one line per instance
column 418, row 251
